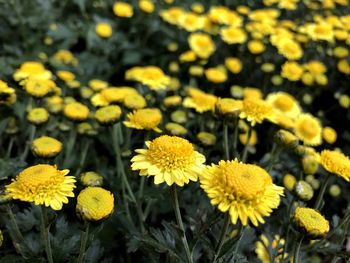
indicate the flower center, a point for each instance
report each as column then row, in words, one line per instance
column 309, row 128
column 171, row 153
column 284, row 103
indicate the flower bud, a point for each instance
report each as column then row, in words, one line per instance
column 303, row 190
column 310, row 164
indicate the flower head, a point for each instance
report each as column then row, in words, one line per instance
column 336, row 162
column 108, row 114
column 201, row 44
column 169, row 159
column 200, row 100
column 42, row 184
column 38, row 116
column 308, row 129
column 103, row 30
column 284, row 103
column 91, row 179
column 46, row 147
column 76, row 111
column 144, row 119
column 263, row 246
column 255, row 110
column 245, row 191
column 95, row 203
column 7, row 94
column 311, row 222
column 123, row 9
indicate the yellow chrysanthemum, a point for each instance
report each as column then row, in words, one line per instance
column 42, row 184
column 201, row 44
column 171, row 101
column 284, row 103
column 123, row 9
column 169, row 159
column 234, row 65
column 215, row 75
column 292, row 71
column 46, row 147
column 264, row 245
column 103, row 30
column 144, row 119
column 32, row 69
column 76, row 111
column 175, row 129
column 95, row 203
column 233, row 35
column 91, row 179
column 228, row 106
column 245, row 191
column 38, row 116
column 336, row 162
column 151, row 76
column 311, row 221
column 65, row 57
column 308, row 129
column 256, row 47
column 255, row 110
column 97, row 84
column 54, row 104
column 108, row 114
column 329, row 135
column 290, row 49
column 39, row 87
column 146, row 6
column 7, row 94
column 200, row 101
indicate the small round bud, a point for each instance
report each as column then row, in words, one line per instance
column 289, row 181
column 303, row 190
column 310, row 164
column 335, row 190
column 286, row 139
column 91, row 179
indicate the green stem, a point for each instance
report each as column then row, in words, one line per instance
column 222, row 237
column 322, row 191
column 9, row 148
column 70, row 146
column 83, row 242
column 288, row 227
column 274, row 154
column 225, row 134
column 175, row 201
column 235, row 136
column 246, row 146
column 241, row 234
column 121, row 171
column 297, row 249
column 29, row 142
column 341, row 224
column 45, row 230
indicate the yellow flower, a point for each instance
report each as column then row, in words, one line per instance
column 123, row 9
column 311, row 222
column 103, row 30
column 316, row 68
column 190, row 21
column 175, row 129
column 336, row 163
column 91, row 179
column 97, row 84
column 32, row 69
column 171, row 15
column 46, row 147
column 234, row 65
column 344, row 66
column 65, row 57
column 38, row 116
column 321, row 31
column 308, row 129
column 215, row 75
column 284, row 103
column 290, row 49
column 201, row 44
column 54, row 104
column 42, row 184
column 151, row 76
column 108, row 114
column 329, row 135
column 146, row 6
column 115, row 94
column 179, row 116
column 252, row 93
column 76, row 111
column 144, row 119
column 196, row 71
column 66, row 76
column 264, row 245
column 255, row 110
column 169, row 159
column 95, row 203
column 174, row 100
column 188, row 56
column 135, row 101
column 256, row 47
column 245, row 191
column 7, row 94
column 292, row 71
column 253, row 139
column 344, row 101
column 39, row 87
column 228, row 106
column 200, row 101
column 233, row 35
column 206, row 138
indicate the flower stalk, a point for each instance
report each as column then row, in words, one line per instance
column 84, row 240
column 45, row 231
